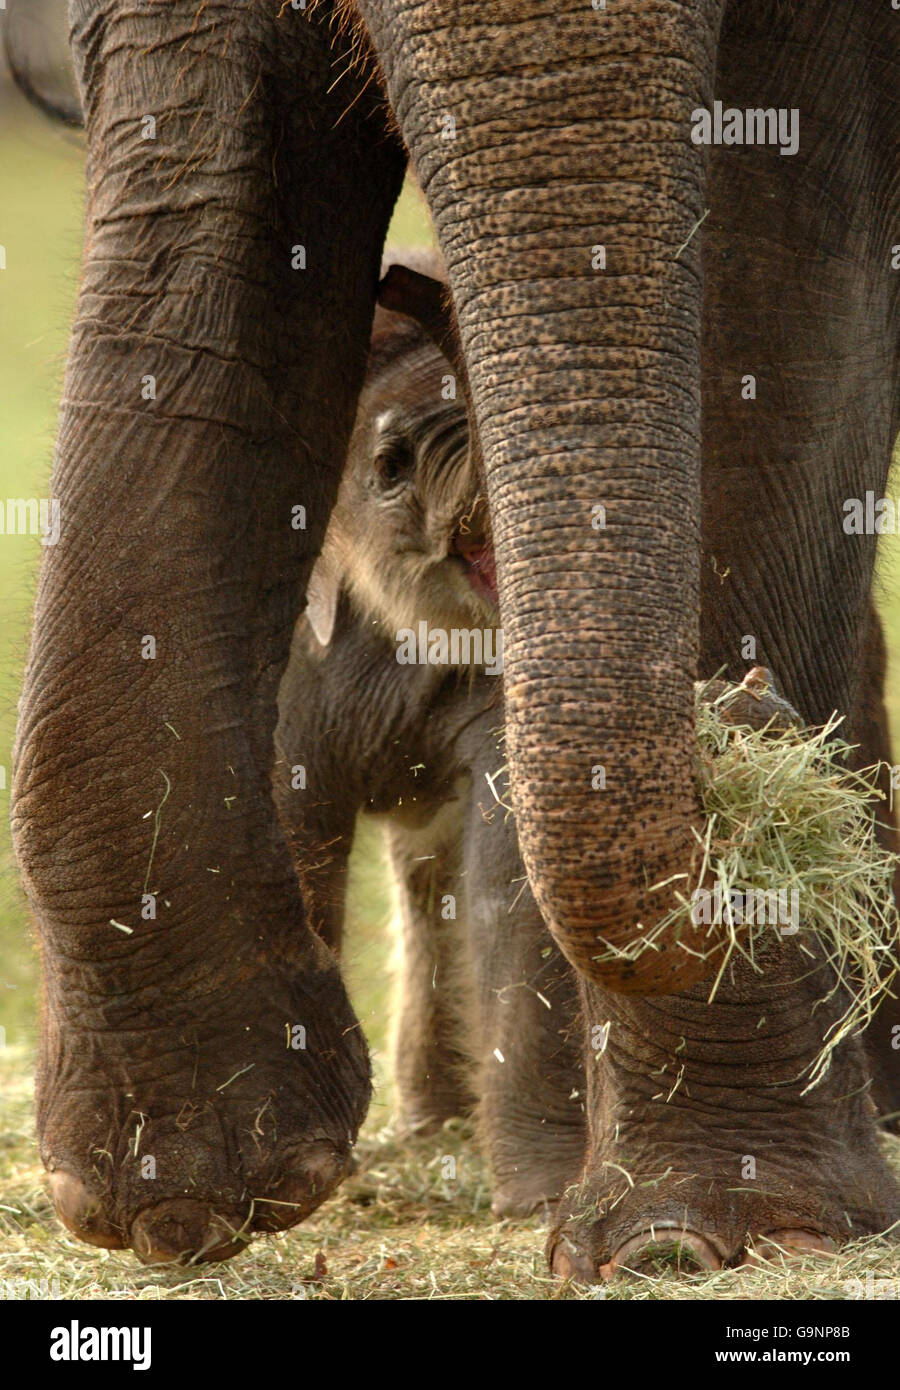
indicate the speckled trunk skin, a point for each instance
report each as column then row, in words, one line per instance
column 586, row 387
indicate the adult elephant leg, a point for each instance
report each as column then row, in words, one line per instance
column 870, row 724
column 800, row 397
column 703, row 1145
column 237, row 203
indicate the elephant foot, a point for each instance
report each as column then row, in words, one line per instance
column 707, row 1149
column 689, row 1224
column 532, row 1162
column 207, row 1220
column 515, row 1201
column 535, row 1186
column 183, row 1139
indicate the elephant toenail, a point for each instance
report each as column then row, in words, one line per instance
column 81, row 1212
column 567, row 1261
column 788, row 1241
column 664, row 1245
column 307, row 1177
column 184, row 1230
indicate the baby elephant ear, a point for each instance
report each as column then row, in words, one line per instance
column 426, row 300
column 322, row 599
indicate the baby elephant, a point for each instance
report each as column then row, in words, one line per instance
column 392, row 705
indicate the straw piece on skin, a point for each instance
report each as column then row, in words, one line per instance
column 785, row 813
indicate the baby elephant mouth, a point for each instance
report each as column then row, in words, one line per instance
column 477, row 555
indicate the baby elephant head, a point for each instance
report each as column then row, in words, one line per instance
column 409, row 538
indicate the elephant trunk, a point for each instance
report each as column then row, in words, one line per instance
column 578, row 293
column 600, row 656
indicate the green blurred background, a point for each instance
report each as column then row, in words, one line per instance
column 41, row 184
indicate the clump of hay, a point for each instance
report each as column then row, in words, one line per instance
column 786, row 813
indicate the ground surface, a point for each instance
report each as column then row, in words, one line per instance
column 400, row 1228
column 404, row 1226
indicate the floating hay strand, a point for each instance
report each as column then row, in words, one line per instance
column 787, row 818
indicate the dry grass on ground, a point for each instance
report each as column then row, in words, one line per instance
column 399, row 1229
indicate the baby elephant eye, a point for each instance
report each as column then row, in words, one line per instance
column 393, row 465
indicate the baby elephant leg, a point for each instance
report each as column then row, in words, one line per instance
column 431, row 1042
column 530, row 1076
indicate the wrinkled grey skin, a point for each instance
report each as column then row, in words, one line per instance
column 235, row 259
column 485, row 1011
